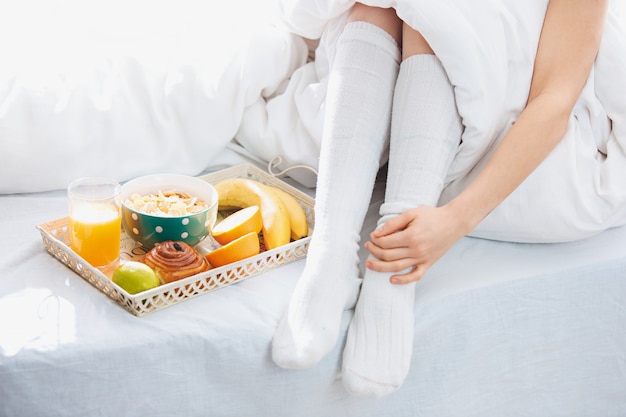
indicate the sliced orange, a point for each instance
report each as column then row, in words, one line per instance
column 239, row 223
column 240, row 248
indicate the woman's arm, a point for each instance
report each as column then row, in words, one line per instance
column 568, row 45
column 567, row 48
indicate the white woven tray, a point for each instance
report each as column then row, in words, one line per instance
column 56, row 239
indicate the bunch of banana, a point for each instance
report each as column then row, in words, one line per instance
column 299, row 226
column 283, row 217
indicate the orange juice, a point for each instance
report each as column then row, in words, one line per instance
column 95, row 233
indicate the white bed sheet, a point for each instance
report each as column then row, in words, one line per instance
column 501, row 329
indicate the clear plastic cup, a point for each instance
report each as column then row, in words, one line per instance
column 95, row 220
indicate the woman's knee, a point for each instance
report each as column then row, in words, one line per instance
column 386, row 19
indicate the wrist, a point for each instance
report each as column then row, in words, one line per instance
column 463, row 216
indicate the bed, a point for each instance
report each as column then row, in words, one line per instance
column 501, row 329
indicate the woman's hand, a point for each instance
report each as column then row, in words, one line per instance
column 416, row 238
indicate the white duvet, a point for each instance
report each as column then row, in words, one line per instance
column 122, row 88
column 80, row 98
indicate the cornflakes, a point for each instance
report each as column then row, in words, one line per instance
column 166, row 204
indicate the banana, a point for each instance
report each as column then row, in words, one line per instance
column 297, row 216
column 241, row 192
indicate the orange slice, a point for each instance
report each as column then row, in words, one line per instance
column 239, row 223
column 241, row 248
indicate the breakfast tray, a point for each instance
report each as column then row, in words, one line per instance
column 55, row 235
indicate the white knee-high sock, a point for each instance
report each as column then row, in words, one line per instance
column 360, row 94
column 425, row 134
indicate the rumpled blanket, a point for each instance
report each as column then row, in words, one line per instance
column 122, row 88
column 487, row 48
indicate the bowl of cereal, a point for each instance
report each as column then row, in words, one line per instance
column 161, row 207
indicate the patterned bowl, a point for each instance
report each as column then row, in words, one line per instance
column 150, row 229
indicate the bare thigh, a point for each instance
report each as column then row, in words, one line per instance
column 386, row 19
column 413, row 42
column 410, row 40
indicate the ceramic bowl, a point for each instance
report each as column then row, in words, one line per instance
column 150, row 229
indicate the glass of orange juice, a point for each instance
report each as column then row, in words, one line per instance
column 95, row 220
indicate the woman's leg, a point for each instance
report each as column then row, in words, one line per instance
column 356, row 130
column 425, row 133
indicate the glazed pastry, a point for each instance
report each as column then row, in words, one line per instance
column 175, row 260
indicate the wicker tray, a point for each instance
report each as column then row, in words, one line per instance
column 56, row 241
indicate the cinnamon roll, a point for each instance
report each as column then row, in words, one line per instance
column 175, row 260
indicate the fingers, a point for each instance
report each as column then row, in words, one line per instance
column 415, row 271
column 393, row 253
column 404, row 244
column 392, row 226
column 387, row 251
column 401, row 243
column 397, row 265
column 399, row 239
column 415, row 275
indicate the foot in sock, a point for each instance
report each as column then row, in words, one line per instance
column 425, row 134
column 383, row 319
column 356, row 131
column 311, row 325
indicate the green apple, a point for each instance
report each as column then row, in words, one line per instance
column 135, row 277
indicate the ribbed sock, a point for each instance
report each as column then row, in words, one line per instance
column 425, row 134
column 356, row 130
